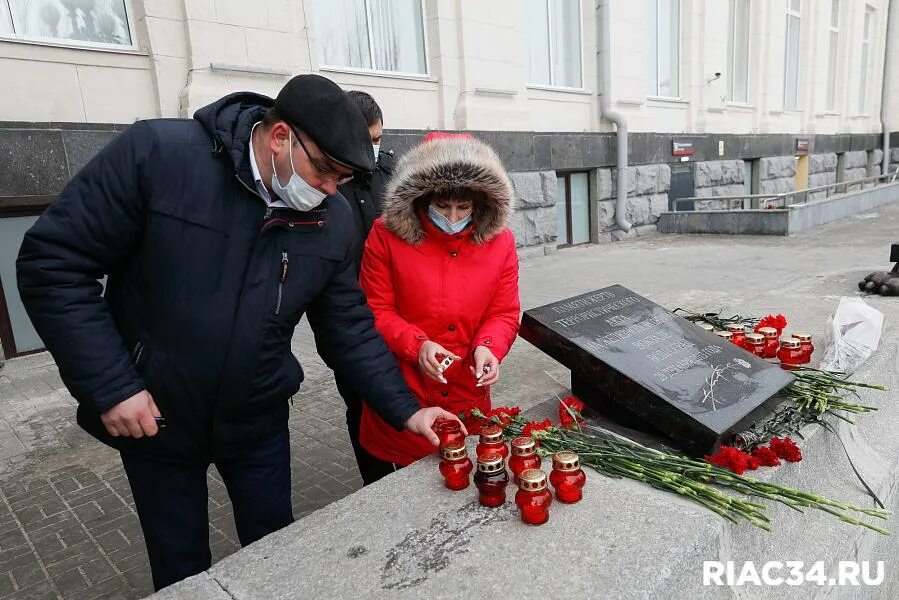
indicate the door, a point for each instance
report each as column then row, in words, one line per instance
column 17, row 335
column 681, row 186
column 572, row 209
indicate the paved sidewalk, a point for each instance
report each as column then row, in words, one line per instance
column 67, row 523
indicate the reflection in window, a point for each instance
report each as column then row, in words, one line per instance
column 664, row 48
column 553, row 34
column 381, row 35
column 93, row 21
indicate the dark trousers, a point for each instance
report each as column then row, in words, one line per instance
column 371, row 468
column 171, row 501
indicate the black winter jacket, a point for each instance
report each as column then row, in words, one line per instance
column 365, row 194
column 194, row 309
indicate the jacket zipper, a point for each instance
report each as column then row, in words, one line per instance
column 281, row 279
column 137, row 353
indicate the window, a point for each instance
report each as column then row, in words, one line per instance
column 664, row 48
column 863, row 72
column 791, row 57
column 102, row 23
column 572, row 209
column 738, row 52
column 553, row 33
column 378, row 35
column 832, row 56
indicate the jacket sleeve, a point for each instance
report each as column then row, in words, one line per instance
column 403, row 338
column 346, row 338
column 87, row 233
column 500, row 324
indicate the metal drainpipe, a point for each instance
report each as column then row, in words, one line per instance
column 884, row 90
column 605, row 69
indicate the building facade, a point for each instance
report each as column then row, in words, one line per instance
column 720, row 96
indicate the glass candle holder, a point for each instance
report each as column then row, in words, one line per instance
column 524, row 456
column 448, row 431
column 738, row 331
column 567, row 477
column 755, row 343
column 805, row 344
column 772, row 343
column 491, row 479
column 532, row 498
column 491, row 441
column 790, row 354
column 455, row 466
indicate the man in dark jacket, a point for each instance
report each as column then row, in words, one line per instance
column 365, row 193
column 216, row 235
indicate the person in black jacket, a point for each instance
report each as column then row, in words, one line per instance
column 365, row 193
column 216, row 235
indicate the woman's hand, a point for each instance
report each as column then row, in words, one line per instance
column 428, row 361
column 422, row 423
column 486, row 367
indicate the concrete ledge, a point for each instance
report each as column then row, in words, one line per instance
column 743, row 222
column 832, row 209
column 779, row 221
column 409, row 537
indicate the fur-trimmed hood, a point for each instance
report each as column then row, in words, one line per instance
column 442, row 165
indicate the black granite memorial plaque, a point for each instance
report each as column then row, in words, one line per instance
column 644, row 366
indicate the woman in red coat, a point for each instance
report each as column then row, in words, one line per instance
column 440, row 272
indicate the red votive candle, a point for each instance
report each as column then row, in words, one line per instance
column 567, row 477
column 790, row 354
column 532, row 498
column 491, row 479
column 524, row 456
column 448, row 431
column 755, row 343
column 738, row 331
column 805, row 344
column 491, row 441
column 772, row 344
column 455, row 465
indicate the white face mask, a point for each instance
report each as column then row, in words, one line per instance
column 444, row 224
column 297, row 194
column 377, row 148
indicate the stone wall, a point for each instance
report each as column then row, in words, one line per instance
column 534, row 218
column 777, row 174
column 647, row 191
column 855, row 166
column 718, row 178
column 822, row 170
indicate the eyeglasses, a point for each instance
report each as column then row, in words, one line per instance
column 324, row 173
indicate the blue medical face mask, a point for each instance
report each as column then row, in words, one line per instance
column 297, row 194
column 444, row 225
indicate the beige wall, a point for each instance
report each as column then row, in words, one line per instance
column 477, row 72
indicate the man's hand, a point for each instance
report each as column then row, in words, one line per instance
column 486, row 367
column 423, row 421
column 427, row 360
column 133, row 417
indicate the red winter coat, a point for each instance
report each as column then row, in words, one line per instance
column 460, row 291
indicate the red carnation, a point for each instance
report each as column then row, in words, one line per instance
column 765, row 456
column 731, row 458
column 778, row 322
column 786, row 449
column 576, row 407
column 536, row 426
column 504, row 414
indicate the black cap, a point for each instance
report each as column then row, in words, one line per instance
column 320, row 109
